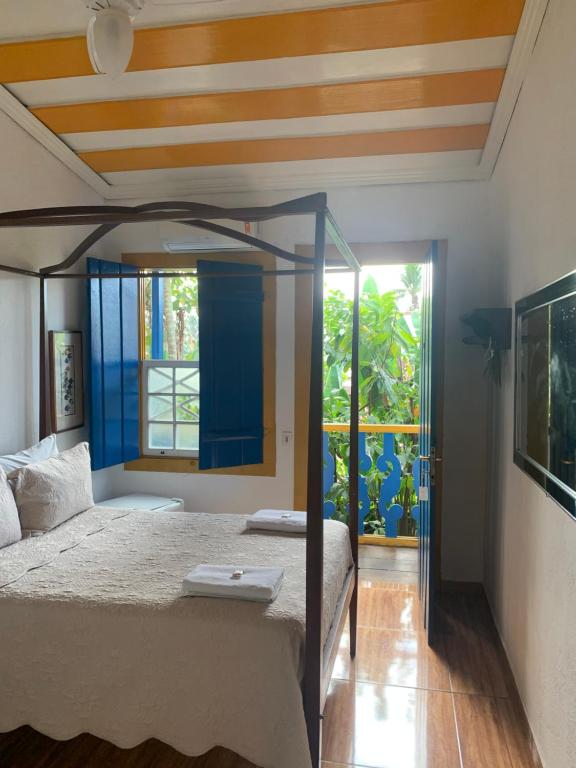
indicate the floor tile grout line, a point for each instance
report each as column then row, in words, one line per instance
column 457, row 729
column 388, row 565
column 350, row 765
column 346, row 763
column 390, row 685
column 388, row 629
column 481, row 695
column 420, row 688
column 391, row 629
column 458, row 742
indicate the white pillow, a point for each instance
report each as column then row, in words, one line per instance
column 53, row 491
column 43, row 450
column 10, row 531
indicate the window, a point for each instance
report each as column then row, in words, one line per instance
column 171, row 391
column 173, row 343
column 170, row 368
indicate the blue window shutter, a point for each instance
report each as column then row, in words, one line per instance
column 231, row 366
column 113, row 366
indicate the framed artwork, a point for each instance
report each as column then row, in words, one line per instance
column 66, row 380
column 545, row 402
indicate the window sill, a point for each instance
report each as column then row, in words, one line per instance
column 190, row 466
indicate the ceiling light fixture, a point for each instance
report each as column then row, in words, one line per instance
column 110, row 36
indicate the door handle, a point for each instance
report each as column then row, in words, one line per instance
column 432, row 459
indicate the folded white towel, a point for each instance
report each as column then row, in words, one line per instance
column 278, row 520
column 240, row 582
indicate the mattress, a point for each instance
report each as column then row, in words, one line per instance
column 96, row 636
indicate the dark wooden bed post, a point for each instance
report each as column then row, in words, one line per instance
column 354, row 459
column 315, row 525
column 43, row 360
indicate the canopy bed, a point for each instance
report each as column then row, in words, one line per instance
column 317, row 602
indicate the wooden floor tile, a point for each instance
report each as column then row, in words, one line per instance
column 379, row 580
column 385, row 576
column 464, row 614
column 518, row 736
column 389, row 558
column 476, row 658
column 26, row 748
column 482, row 733
column 337, row 765
column 477, row 665
column 385, row 565
column 383, row 608
column 493, row 733
column 393, row 657
column 404, row 554
column 387, row 727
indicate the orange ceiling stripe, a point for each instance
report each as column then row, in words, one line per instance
column 317, row 100
column 329, row 30
column 44, row 59
column 283, row 150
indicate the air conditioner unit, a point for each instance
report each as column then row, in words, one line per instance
column 210, row 241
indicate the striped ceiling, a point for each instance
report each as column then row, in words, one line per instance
column 299, row 97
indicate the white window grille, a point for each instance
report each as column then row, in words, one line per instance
column 170, row 407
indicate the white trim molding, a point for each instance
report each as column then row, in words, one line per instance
column 26, row 120
column 530, row 24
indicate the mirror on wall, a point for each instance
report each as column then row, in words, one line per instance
column 545, row 412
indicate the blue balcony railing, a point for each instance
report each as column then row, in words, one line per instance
column 389, row 477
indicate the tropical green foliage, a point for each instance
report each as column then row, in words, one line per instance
column 180, row 324
column 389, row 358
column 184, row 295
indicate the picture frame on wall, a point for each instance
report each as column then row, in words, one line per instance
column 66, row 380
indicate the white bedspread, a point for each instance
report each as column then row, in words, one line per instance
column 96, row 637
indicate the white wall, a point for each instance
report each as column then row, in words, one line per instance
column 456, row 212
column 531, row 563
column 31, row 177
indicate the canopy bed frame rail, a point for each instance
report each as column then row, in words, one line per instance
column 319, row 660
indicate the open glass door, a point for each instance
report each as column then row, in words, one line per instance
column 430, row 431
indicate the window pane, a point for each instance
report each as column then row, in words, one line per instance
column 160, row 436
column 178, row 324
column 187, row 381
column 187, row 437
column 187, row 408
column 160, row 380
column 160, row 408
